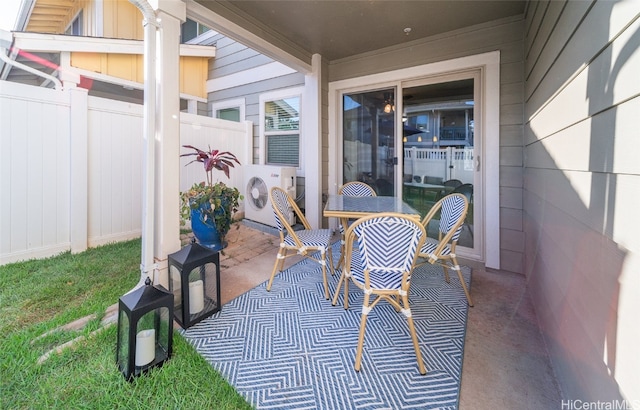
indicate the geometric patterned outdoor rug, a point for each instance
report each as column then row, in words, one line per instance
column 291, row 349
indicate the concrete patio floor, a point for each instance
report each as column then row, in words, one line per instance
column 506, row 365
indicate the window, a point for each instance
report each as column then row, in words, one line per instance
column 192, row 29
column 280, row 117
column 231, row 114
column 232, row 110
column 75, row 28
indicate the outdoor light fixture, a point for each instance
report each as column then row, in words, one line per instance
column 194, row 281
column 388, row 103
column 145, row 329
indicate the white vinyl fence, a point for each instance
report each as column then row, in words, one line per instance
column 440, row 163
column 71, row 168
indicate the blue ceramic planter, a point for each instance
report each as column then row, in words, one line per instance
column 205, row 231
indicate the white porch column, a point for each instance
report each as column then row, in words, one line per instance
column 312, row 145
column 171, row 14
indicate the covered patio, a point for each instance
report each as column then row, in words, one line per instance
column 555, row 281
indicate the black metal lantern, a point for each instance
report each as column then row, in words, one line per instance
column 194, row 280
column 145, row 329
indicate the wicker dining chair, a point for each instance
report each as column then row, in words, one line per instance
column 353, row 188
column 306, row 242
column 452, row 210
column 383, row 271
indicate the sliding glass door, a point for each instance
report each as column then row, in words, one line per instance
column 437, row 152
column 446, row 126
column 369, row 139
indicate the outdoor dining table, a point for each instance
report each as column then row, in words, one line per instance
column 353, row 207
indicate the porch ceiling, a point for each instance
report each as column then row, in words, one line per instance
column 340, row 29
column 49, row 16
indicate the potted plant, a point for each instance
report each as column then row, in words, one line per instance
column 209, row 205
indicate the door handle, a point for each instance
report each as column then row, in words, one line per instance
column 477, row 162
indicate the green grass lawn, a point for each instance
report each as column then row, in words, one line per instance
column 41, row 295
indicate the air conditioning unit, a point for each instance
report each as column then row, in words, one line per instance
column 259, row 179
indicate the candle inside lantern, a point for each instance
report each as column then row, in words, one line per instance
column 196, row 296
column 145, row 347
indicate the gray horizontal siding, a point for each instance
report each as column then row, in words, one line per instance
column 582, row 99
column 504, row 35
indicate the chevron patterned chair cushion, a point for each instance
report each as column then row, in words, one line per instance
column 386, row 264
column 430, row 246
column 453, row 208
column 357, row 188
column 353, row 188
column 312, row 238
column 453, row 211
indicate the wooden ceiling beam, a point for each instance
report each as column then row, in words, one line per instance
column 39, row 18
column 51, row 11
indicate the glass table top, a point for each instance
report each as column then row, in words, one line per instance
column 354, row 206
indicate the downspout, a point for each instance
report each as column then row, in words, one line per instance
column 151, row 25
column 6, row 43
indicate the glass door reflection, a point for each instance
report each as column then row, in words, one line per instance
column 369, row 139
column 439, row 149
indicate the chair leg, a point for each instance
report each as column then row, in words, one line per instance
column 277, row 266
column 414, row 336
column 397, row 299
column 446, row 272
column 344, row 280
column 337, row 291
column 347, row 279
column 330, row 258
column 323, row 262
column 456, row 267
column 341, row 259
column 363, row 325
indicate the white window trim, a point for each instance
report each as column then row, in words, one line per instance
column 99, row 19
column 279, row 95
column 204, row 37
column 235, row 103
